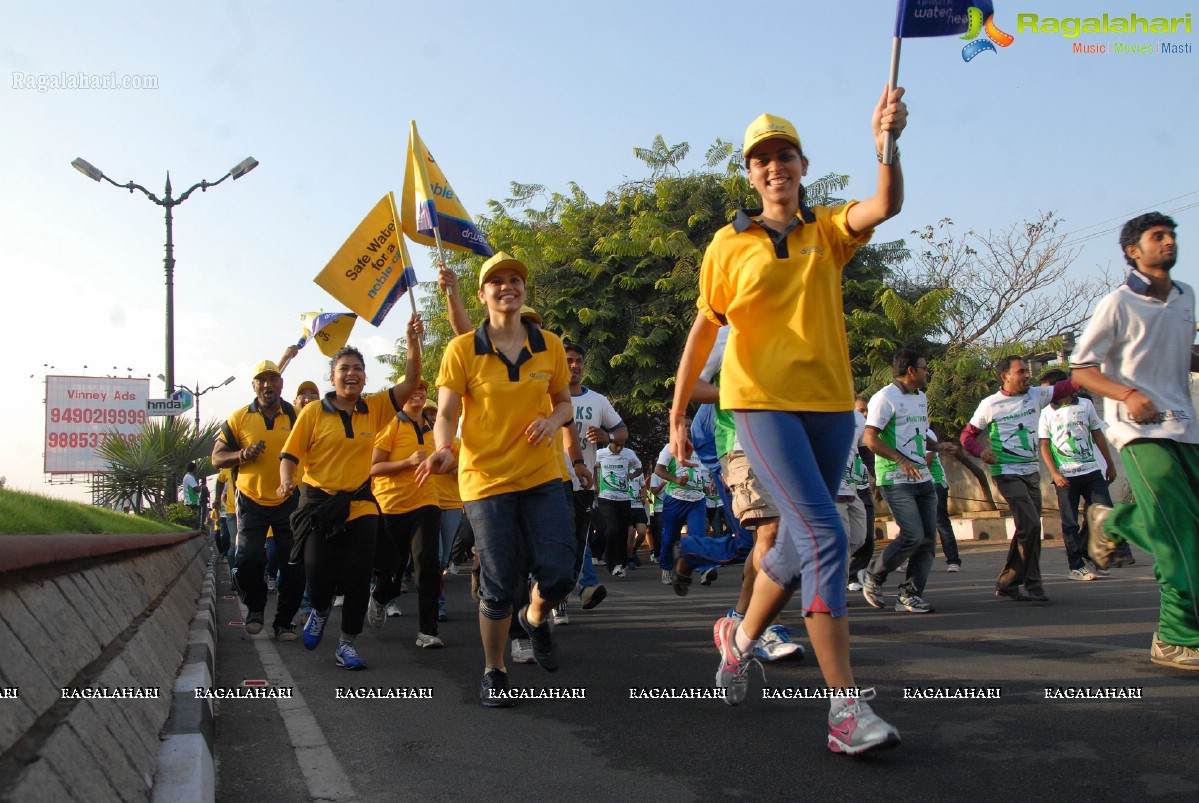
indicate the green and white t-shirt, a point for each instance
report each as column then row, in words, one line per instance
column 612, row 473
column 693, row 488
column 656, row 488
column 1011, row 424
column 935, row 467
column 1068, row 429
column 635, row 486
column 854, row 465
column 901, row 419
column 191, row 490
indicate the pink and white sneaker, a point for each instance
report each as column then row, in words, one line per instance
column 853, row 728
column 733, row 674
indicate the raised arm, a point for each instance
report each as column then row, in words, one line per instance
column 404, row 388
column 447, row 280
column 890, row 114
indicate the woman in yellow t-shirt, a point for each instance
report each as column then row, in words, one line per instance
column 774, row 276
column 338, row 517
column 510, row 380
column 411, row 517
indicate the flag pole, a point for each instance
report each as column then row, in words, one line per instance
column 411, row 293
column 892, row 82
column 449, row 291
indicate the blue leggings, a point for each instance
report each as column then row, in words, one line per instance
column 800, row 458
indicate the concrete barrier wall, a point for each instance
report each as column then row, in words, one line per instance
column 94, row 630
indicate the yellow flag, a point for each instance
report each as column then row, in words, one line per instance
column 330, row 330
column 430, row 204
column 372, row 269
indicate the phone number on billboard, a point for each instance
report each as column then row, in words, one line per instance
column 96, row 415
column 83, row 440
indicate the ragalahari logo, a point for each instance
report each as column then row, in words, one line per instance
column 995, row 36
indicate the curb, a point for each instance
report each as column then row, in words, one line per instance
column 186, row 771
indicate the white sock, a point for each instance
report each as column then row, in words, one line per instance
column 744, row 643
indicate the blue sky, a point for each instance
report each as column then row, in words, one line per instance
column 535, row 92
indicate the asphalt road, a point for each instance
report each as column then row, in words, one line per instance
column 1092, row 635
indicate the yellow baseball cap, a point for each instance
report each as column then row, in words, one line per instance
column 265, row 367
column 500, row 261
column 769, row 126
column 528, row 312
column 308, row 385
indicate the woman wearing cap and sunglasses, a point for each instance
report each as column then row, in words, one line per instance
column 510, row 380
column 774, row 275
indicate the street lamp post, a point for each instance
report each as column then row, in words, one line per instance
column 168, row 203
column 199, row 393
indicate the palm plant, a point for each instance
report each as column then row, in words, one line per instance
column 146, row 469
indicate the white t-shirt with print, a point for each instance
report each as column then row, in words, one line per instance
column 693, row 488
column 1011, row 424
column 612, row 473
column 591, row 410
column 1068, row 430
column 901, row 419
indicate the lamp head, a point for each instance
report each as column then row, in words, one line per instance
column 89, row 170
column 242, row 167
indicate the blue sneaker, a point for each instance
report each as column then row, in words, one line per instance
column 347, row 657
column 732, row 614
column 314, row 628
column 776, row 644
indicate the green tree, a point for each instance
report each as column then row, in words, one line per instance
column 146, row 469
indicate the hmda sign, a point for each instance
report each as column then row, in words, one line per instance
column 180, row 402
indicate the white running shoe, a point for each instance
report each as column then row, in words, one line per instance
column 522, row 651
column 425, row 641
column 853, row 728
column 376, row 616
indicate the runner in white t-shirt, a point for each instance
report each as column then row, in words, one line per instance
column 1009, row 420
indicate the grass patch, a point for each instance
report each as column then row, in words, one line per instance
column 31, row 514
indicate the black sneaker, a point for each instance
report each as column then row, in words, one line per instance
column 592, row 596
column 285, row 632
column 542, row 637
column 254, row 620
column 1036, row 595
column 494, row 683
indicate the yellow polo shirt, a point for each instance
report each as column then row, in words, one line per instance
column 335, row 446
column 787, row 348
column 499, row 401
column 259, row 480
column 399, row 493
column 229, row 498
column 446, row 485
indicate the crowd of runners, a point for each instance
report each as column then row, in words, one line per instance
column 773, row 465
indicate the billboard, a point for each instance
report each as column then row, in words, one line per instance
column 83, row 411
